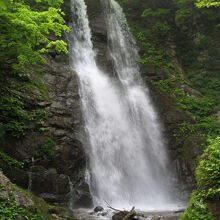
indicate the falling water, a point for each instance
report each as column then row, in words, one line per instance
column 126, row 154
column 71, row 195
column 30, row 176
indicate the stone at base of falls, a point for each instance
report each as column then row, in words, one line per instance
column 125, row 215
column 98, row 209
column 119, row 215
column 160, row 215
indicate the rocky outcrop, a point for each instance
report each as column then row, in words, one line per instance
column 172, row 116
column 6, row 189
column 20, row 202
column 62, row 162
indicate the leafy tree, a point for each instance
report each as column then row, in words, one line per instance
column 26, row 30
column 207, row 3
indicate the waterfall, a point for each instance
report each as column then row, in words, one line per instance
column 30, row 176
column 71, row 194
column 127, row 158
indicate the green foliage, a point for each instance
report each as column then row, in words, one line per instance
column 13, row 115
column 11, row 162
column 11, row 210
column 39, row 118
column 208, row 126
column 12, row 106
column 25, row 32
column 184, row 3
column 199, row 107
column 28, row 29
column 2, row 6
column 208, row 84
column 196, row 210
column 161, row 29
column 46, row 150
column 208, row 171
column 183, row 14
column 154, row 55
column 38, row 115
column 208, row 183
column 15, row 119
column 207, row 3
column 59, row 46
column 170, row 85
column 205, row 127
column 161, row 12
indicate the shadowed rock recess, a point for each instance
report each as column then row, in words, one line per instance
column 59, row 176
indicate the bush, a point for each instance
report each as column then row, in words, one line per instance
column 196, row 210
column 46, row 150
column 208, row 184
column 208, row 171
column 11, row 162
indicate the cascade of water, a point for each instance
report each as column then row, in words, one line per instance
column 29, row 181
column 71, row 194
column 127, row 157
column 125, row 56
column 30, row 176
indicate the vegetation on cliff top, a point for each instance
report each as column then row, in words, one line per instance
column 25, row 31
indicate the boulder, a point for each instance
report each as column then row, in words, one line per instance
column 98, row 209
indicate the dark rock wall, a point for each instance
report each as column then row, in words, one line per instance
column 51, row 176
column 99, row 36
column 171, row 117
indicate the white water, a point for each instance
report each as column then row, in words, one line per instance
column 71, row 195
column 127, row 157
column 30, row 176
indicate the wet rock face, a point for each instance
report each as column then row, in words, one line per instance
column 171, row 116
column 53, row 169
column 65, row 125
column 99, row 36
column 7, row 189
